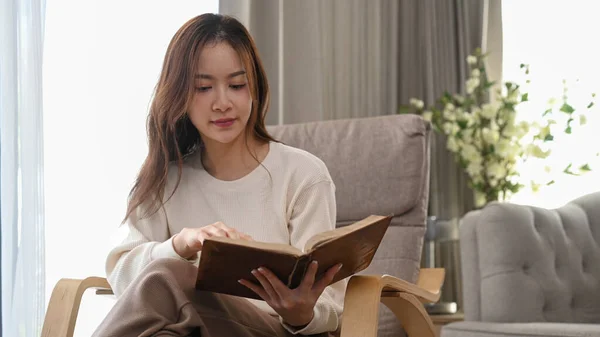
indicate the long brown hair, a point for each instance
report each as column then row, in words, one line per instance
column 171, row 134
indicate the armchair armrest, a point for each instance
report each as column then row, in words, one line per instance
column 361, row 308
column 64, row 304
column 405, row 299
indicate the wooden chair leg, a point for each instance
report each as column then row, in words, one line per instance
column 361, row 307
column 411, row 314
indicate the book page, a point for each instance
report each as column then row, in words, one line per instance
column 324, row 237
column 268, row 246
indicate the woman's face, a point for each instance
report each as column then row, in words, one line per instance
column 222, row 102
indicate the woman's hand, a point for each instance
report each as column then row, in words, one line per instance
column 295, row 306
column 189, row 241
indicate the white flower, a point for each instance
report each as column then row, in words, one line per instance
column 493, row 182
column 509, row 131
column 450, row 128
column 522, row 130
column 496, row 170
column 459, row 99
column 469, row 153
column 494, row 126
column 544, row 132
column 489, row 110
column 427, row 115
column 467, row 137
column 513, row 96
column 475, row 73
column 449, row 114
column 452, row 144
column 472, row 84
column 474, row 169
column 503, row 148
column 469, row 118
column 536, row 151
column 417, row 103
column 490, row 136
column 471, row 59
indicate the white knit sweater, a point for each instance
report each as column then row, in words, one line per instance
column 287, row 200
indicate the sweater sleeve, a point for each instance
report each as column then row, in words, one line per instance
column 142, row 241
column 314, row 211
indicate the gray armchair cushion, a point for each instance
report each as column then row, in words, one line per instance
column 528, row 264
column 482, row 329
column 380, row 165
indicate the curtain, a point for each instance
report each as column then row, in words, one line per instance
column 324, row 59
column 21, row 169
column 358, row 58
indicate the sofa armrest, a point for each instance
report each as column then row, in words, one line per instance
column 486, row 329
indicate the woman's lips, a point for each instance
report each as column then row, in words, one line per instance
column 224, row 122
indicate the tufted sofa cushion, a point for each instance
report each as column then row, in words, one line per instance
column 528, row 264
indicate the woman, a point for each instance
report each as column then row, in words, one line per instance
column 213, row 170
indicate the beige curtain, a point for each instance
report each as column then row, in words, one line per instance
column 356, row 58
column 325, row 59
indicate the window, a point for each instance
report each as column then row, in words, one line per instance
column 102, row 60
column 556, row 39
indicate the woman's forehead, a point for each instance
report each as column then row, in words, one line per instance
column 219, row 60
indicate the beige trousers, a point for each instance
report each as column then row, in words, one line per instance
column 162, row 301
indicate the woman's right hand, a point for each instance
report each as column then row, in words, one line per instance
column 189, row 241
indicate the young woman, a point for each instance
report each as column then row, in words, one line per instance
column 213, row 170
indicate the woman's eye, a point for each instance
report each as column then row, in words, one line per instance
column 238, row 86
column 203, row 89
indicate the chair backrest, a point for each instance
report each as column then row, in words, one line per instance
column 529, row 264
column 380, row 165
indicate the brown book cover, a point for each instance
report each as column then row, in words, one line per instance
column 224, row 261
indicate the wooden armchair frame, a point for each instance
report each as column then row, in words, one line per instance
column 361, row 303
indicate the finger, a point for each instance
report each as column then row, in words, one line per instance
column 203, row 235
column 230, row 232
column 309, row 278
column 246, row 237
column 255, row 288
column 281, row 289
column 271, row 294
column 215, row 231
column 327, row 278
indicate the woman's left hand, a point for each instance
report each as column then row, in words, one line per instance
column 295, row 306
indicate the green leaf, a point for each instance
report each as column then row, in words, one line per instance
column 590, row 105
column 567, row 108
column 567, row 170
column 551, row 182
column 568, row 130
column 585, row 168
column 547, row 112
column 548, row 137
column 522, row 65
column 525, row 97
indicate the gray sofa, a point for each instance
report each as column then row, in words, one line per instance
column 529, row 271
column 380, row 165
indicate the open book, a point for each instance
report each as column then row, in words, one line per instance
column 224, row 261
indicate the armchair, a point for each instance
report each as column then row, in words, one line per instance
column 530, row 271
column 380, row 165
